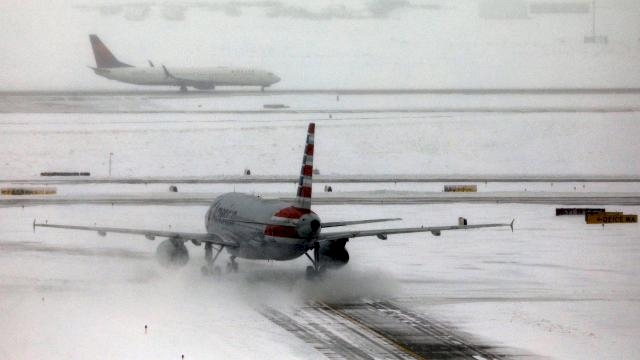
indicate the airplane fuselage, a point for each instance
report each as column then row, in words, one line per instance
column 256, row 241
column 202, row 78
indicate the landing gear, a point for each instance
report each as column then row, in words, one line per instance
column 183, row 89
column 315, row 270
column 311, row 272
column 262, row 88
column 232, row 265
column 209, row 269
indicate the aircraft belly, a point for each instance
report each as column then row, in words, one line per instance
column 254, row 245
column 268, row 251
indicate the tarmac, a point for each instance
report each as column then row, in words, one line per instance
column 354, row 198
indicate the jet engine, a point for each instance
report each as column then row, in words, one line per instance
column 308, row 225
column 333, row 254
column 172, row 252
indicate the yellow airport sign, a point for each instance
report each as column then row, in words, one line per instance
column 610, row 218
column 461, row 188
column 28, row 191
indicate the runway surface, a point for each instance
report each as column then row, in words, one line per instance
column 326, row 102
column 554, row 280
column 361, row 198
column 335, row 179
column 379, row 330
column 446, row 91
column 416, row 110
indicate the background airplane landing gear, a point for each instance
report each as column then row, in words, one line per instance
column 183, row 89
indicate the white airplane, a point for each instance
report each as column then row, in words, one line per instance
column 203, row 78
column 251, row 227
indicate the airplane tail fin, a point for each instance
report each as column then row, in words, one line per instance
column 303, row 198
column 104, row 57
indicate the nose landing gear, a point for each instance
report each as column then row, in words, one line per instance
column 209, row 269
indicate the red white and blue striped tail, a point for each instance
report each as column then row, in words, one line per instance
column 303, row 199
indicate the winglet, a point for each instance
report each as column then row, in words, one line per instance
column 511, row 225
column 303, row 196
column 167, row 73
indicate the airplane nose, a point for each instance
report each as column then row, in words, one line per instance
column 276, row 79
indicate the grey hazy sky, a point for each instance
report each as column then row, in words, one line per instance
column 328, row 44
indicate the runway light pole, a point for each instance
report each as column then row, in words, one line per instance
column 110, row 155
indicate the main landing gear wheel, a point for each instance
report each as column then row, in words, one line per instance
column 232, row 265
column 313, row 272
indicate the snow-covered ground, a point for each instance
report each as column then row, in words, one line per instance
column 193, row 144
column 321, row 101
column 555, row 287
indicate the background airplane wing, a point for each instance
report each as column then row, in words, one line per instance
column 149, row 234
column 382, row 233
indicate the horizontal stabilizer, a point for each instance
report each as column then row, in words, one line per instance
column 356, row 222
column 266, row 223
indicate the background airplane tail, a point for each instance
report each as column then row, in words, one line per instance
column 104, row 57
column 303, row 198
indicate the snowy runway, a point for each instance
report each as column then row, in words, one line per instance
column 374, row 330
column 556, row 287
column 345, row 198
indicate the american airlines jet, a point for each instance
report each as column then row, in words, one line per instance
column 203, row 78
column 251, row 227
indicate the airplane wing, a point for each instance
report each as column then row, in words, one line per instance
column 186, row 81
column 149, row 234
column 382, row 233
